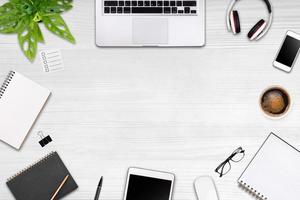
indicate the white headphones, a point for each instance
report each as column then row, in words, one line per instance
column 259, row 29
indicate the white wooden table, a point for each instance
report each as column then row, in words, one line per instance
column 181, row 110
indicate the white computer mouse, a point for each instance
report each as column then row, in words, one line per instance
column 205, row 188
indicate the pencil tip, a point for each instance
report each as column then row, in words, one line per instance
column 100, row 182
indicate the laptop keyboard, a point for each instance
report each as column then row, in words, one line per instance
column 185, row 7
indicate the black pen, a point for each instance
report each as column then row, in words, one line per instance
column 98, row 189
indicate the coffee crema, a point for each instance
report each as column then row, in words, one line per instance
column 275, row 102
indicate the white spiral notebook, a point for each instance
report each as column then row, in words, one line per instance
column 21, row 101
column 273, row 173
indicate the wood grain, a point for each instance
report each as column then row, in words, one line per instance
column 181, row 110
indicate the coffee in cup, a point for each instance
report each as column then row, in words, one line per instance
column 275, row 102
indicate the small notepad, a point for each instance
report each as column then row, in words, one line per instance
column 273, row 173
column 21, row 101
column 41, row 180
column 52, row 60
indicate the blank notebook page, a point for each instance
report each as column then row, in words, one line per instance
column 273, row 173
column 20, row 103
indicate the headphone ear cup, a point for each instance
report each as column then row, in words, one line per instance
column 235, row 22
column 257, row 29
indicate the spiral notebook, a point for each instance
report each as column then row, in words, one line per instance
column 273, row 173
column 40, row 180
column 21, row 101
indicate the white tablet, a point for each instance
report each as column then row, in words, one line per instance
column 145, row 184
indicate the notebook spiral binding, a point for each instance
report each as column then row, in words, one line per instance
column 32, row 166
column 6, row 83
column 252, row 191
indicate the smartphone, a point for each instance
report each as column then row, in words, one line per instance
column 288, row 52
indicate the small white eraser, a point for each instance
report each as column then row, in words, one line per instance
column 52, row 60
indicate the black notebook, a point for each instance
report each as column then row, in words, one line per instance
column 42, row 179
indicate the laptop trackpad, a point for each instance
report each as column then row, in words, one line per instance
column 150, row 31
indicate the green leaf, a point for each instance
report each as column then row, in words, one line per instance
column 56, row 6
column 40, row 36
column 7, row 7
column 10, row 26
column 9, row 19
column 27, row 7
column 56, row 24
column 16, row 1
column 28, row 39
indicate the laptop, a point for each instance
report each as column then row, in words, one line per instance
column 150, row 23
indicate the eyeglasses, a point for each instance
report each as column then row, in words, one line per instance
column 225, row 166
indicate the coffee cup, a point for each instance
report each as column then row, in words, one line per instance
column 275, row 102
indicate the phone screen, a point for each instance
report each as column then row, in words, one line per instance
column 288, row 51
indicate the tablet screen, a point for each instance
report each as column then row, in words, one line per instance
column 148, row 188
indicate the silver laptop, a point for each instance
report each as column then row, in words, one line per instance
column 150, row 23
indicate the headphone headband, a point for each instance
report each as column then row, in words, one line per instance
column 269, row 7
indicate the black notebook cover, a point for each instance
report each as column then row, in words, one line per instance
column 41, row 180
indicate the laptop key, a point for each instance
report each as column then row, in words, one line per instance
column 147, row 10
column 140, row 3
column 167, row 10
column 153, row 3
column 159, row 3
column 119, row 10
column 121, row 3
column 193, row 11
column 147, row 3
column 189, row 3
column 174, row 9
column 179, row 3
column 113, row 9
column 106, row 10
column 110, row 3
column 134, row 3
column 172, row 3
column 166, row 3
column 127, row 3
column 186, row 9
column 180, row 11
column 126, row 9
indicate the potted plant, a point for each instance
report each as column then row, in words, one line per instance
column 24, row 17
